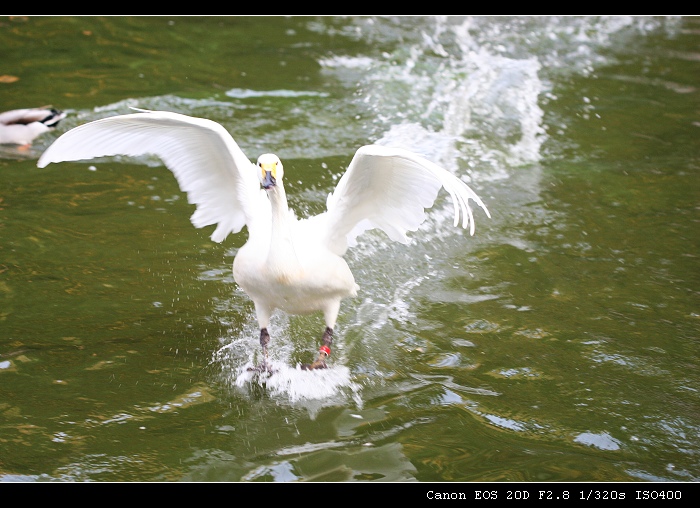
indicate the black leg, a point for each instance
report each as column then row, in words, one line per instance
column 264, row 341
column 328, row 338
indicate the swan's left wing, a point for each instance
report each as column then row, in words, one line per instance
column 207, row 162
column 390, row 188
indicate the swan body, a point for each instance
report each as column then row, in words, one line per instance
column 22, row 126
column 294, row 265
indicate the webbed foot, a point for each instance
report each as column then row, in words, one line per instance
column 320, row 362
column 261, row 368
column 317, row 364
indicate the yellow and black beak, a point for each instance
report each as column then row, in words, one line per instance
column 269, row 171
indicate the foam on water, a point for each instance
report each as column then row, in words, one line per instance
column 244, row 93
column 240, row 351
column 297, row 384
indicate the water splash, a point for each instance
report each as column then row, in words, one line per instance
column 296, row 384
column 239, row 353
column 467, row 91
column 450, row 99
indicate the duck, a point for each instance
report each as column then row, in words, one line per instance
column 22, row 126
column 289, row 264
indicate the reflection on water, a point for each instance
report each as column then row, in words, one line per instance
column 559, row 343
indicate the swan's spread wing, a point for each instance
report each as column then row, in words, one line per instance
column 390, row 188
column 207, row 162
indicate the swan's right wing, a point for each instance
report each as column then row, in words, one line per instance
column 208, row 164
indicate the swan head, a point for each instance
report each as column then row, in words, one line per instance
column 270, row 170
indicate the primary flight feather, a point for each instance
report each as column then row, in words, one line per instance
column 293, row 265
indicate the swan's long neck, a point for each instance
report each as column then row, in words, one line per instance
column 282, row 254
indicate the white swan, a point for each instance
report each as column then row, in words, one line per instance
column 22, row 126
column 288, row 264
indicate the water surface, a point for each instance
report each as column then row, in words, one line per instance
column 559, row 343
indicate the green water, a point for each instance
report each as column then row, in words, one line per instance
column 559, row 343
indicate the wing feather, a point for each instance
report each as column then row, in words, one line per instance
column 390, row 188
column 208, row 164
